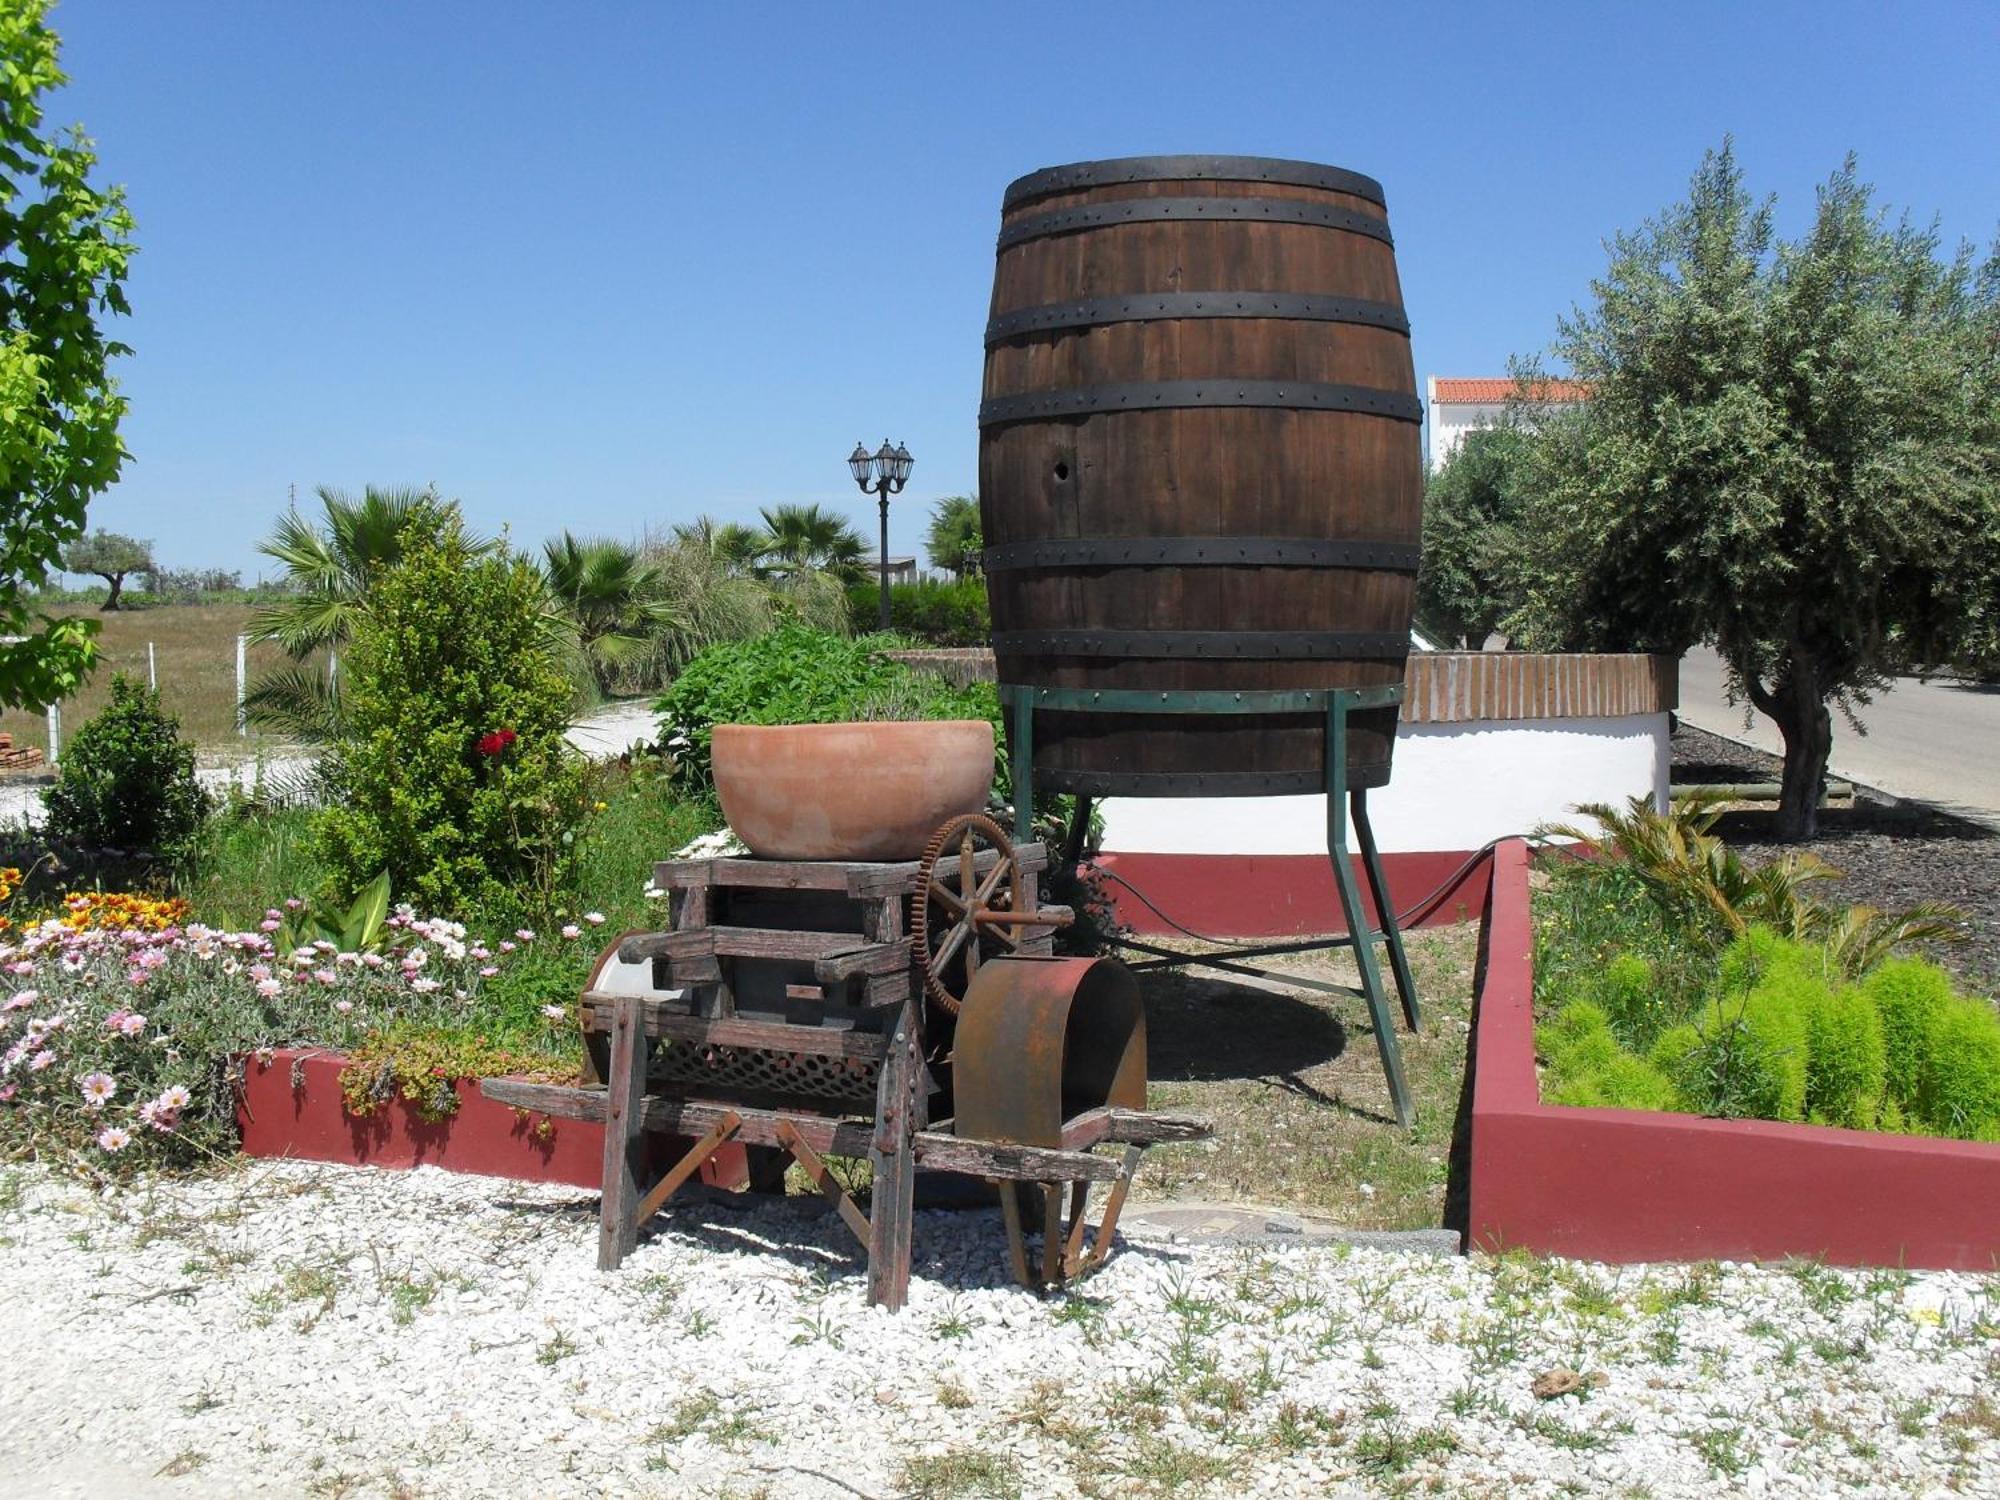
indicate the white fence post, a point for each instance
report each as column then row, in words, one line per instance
column 55, row 732
column 242, row 646
column 152, row 669
column 332, row 664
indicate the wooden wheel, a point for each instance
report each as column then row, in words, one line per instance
column 952, row 930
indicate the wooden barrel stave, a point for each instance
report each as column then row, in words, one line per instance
column 1258, row 471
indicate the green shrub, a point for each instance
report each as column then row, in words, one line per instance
column 451, row 772
column 1588, row 1068
column 939, row 614
column 1845, row 1059
column 798, row 675
column 1910, row 996
column 1629, row 1082
column 1577, row 1043
column 1626, row 991
column 1749, row 1060
column 1958, row 1088
column 127, row 781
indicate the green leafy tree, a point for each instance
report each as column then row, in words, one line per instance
column 1789, row 453
column 329, row 566
column 127, row 780
column 451, row 771
column 107, row 555
column 953, row 540
column 798, row 540
column 1473, row 538
column 733, row 546
column 64, row 249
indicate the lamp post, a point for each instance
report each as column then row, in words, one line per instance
column 889, row 468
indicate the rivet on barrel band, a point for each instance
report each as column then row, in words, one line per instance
column 1259, row 645
column 1318, row 307
column 1158, row 210
column 1084, row 400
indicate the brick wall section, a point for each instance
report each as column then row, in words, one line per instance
column 1457, row 687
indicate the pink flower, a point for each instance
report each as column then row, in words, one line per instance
column 270, row 924
column 594, row 918
column 425, row 986
column 176, row 1098
column 488, row 972
column 97, row 1089
column 125, row 1022
column 22, row 966
column 23, row 999
column 7, row 1092
column 556, row 1012
column 479, row 952
column 373, row 960
column 343, row 1006
column 40, row 1061
column 525, row 934
column 114, row 1138
column 326, row 976
column 136, row 977
column 260, row 971
column 506, row 947
column 571, row 930
column 293, row 903
column 268, row 987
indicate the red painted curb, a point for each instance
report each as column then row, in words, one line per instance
column 1282, row 895
column 1638, row 1185
column 305, row 1119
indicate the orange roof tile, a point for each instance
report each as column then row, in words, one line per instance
column 1490, row 392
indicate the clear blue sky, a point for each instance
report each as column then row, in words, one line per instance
column 601, row 266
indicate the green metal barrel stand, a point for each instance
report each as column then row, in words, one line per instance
column 1020, row 703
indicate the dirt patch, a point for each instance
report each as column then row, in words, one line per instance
column 1891, row 852
column 1294, row 1084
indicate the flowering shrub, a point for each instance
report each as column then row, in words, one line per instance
column 452, row 772
column 116, row 1044
column 10, row 882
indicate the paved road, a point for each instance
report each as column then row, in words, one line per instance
column 1936, row 741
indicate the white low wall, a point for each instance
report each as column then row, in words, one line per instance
column 1454, row 786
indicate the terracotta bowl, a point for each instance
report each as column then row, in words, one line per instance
column 849, row 791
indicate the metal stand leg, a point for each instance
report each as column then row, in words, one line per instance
column 1021, row 768
column 1358, row 925
column 1371, row 862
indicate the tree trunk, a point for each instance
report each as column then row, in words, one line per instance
column 1798, row 707
column 117, row 582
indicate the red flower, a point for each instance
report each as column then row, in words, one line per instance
column 507, row 737
column 493, row 744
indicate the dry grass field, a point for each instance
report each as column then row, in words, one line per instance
column 194, row 649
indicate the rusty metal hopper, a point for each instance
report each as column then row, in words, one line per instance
column 1042, row 1040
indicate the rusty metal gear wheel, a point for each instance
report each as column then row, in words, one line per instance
column 948, row 935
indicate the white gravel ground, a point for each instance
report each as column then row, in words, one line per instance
column 291, row 1329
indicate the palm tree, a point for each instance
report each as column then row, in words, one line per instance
column 328, row 567
column 801, row 539
column 954, row 540
column 734, row 546
column 614, row 605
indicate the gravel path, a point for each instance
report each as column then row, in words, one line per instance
column 1891, row 853
column 291, row 1329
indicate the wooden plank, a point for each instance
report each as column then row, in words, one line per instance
column 790, row 1138
column 901, row 879
column 624, row 1140
column 762, row 874
column 686, row 1167
column 933, row 1150
column 659, row 1020
column 739, row 942
column 1101, row 1247
column 876, row 958
column 1127, row 1127
column 899, row 1108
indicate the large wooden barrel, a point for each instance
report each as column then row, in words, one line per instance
column 1199, row 464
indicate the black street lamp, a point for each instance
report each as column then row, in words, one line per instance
column 890, row 470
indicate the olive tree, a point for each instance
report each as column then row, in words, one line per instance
column 110, row 556
column 1468, row 583
column 1791, row 453
column 66, row 247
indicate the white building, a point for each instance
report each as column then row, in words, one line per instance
column 1457, row 406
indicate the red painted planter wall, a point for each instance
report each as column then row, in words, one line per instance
column 1636, row 1185
column 308, row 1122
column 1283, row 895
